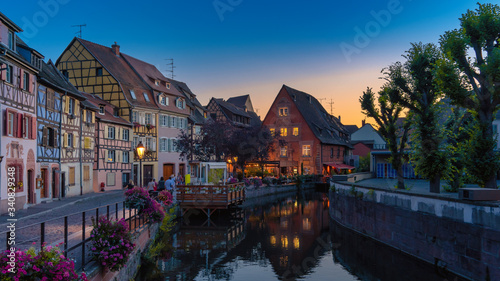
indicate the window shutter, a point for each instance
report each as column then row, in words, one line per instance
column 93, row 117
column 20, row 121
column 65, row 139
column 84, row 116
column 153, row 119
column 118, row 156
column 33, row 127
column 106, row 159
column 55, row 138
column 21, row 78
column 153, row 145
column 44, row 136
column 106, row 131
column 66, row 104
column 32, row 84
column 77, row 107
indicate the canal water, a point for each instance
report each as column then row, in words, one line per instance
column 289, row 237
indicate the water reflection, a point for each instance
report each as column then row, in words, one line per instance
column 279, row 238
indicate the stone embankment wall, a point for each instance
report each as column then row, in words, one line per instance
column 461, row 236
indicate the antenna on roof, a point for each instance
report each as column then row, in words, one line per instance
column 170, row 67
column 80, row 31
column 331, row 106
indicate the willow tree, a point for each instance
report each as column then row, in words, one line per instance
column 470, row 77
column 415, row 88
column 386, row 114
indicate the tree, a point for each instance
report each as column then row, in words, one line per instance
column 386, row 116
column 474, row 83
column 414, row 88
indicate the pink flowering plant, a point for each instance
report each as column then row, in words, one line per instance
column 165, row 197
column 111, row 243
column 232, row 180
column 47, row 264
column 139, row 199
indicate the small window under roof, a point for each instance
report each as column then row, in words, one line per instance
column 146, row 97
column 133, row 94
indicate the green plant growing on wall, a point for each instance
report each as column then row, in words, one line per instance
column 364, row 163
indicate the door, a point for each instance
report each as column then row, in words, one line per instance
column 63, row 184
column 43, row 174
column 168, row 170
column 125, row 179
column 31, row 188
column 148, row 174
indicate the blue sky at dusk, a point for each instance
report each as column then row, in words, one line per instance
column 226, row 48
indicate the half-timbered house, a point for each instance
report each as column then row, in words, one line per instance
column 19, row 65
column 113, row 155
column 172, row 117
column 103, row 71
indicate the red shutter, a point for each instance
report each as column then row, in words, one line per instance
column 33, row 128
column 20, row 125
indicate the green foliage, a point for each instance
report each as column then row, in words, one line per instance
column 215, row 176
column 364, row 163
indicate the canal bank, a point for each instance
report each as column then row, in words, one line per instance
column 455, row 235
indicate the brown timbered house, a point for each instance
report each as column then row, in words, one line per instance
column 103, row 71
column 19, row 65
column 113, row 147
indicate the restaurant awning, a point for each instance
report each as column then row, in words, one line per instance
column 339, row 166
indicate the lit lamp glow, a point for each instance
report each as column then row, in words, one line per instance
column 140, row 149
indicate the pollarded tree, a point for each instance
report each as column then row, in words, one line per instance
column 474, row 83
column 386, row 115
column 415, row 88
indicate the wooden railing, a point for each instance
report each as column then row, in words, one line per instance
column 210, row 196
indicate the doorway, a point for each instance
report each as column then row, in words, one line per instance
column 43, row 174
column 31, row 188
column 63, row 184
column 54, row 187
column 148, row 174
column 182, row 169
column 168, row 170
column 125, row 179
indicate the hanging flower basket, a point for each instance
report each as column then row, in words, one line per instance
column 150, row 127
column 137, row 125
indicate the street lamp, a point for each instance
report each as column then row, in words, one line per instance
column 140, row 149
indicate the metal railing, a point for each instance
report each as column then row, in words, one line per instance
column 72, row 232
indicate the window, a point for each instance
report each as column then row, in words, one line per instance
column 110, row 179
column 283, row 111
column 11, row 40
column 167, row 85
column 135, row 116
column 146, row 97
column 9, row 74
column 88, row 117
column 163, row 100
column 71, row 106
column 157, row 83
column 283, row 151
column 111, row 156
column 150, row 144
column 273, row 131
column 135, row 142
column 338, row 152
column 71, row 176
column 331, row 153
column 180, row 103
column 98, row 71
column 148, row 118
column 163, row 144
column 133, row 94
column 101, row 109
column 125, row 158
column 26, row 127
column 173, row 121
column 125, row 134
column 26, row 81
column 65, row 74
column 306, row 150
column 295, row 131
column 10, row 128
column 86, row 173
column 51, row 137
column 111, row 133
column 70, row 140
column 283, row 132
column 116, row 111
column 164, row 120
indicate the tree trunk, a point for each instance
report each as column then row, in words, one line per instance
column 435, row 184
column 401, row 179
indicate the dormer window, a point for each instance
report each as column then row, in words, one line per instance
column 115, row 111
column 283, row 111
column 101, row 109
column 146, row 97
column 168, row 85
column 180, row 103
column 133, row 94
column 157, row 83
column 11, row 40
column 65, row 74
column 163, row 100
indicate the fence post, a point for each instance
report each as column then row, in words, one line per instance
column 66, row 236
column 116, row 211
column 42, row 234
column 83, row 239
column 107, row 211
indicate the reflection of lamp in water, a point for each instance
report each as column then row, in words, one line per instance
column 296, row 242
column 273, row 240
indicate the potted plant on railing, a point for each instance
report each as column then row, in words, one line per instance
column 136, row 124
column 150, row 126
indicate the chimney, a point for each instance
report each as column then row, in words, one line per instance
column 116, row 49
column 339, row 119
column 363, row 122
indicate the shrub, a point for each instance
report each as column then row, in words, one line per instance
column 111, row 243
column 154, row 212
column 233, row 180
column 139, row 198
column 47, row 264
column 165, row 197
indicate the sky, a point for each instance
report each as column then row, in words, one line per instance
column 332, row 50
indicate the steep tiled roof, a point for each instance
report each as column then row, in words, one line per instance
column 108, row 115
column 184, row 89
column 351, row 128
column 239, row 101
column 323, row 125
column 231, row 108
column 119, row 68
column 50, row 75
